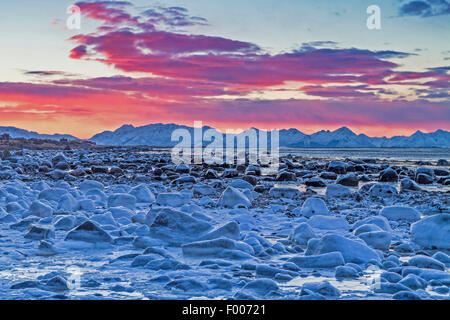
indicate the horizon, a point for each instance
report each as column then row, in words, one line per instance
column 296, row 64
column 241, row 129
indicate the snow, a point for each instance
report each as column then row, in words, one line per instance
column 131, row 232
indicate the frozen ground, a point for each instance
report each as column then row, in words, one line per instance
column 124, row 224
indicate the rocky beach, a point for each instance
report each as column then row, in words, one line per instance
column 127, row 223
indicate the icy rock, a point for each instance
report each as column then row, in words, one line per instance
column 391, row 277
column 315, row 182
column 427, row 274
column 40, row 209
column 388, row 175
column 406, row 295
column 380, row 240
column 144, row 242
column 232, row 198
column 286, row 176
column 423, row 178
column 382, row 190
column 122, row 212
column 86, row 205
column 211, row 174
column 432, row 232
column 7, row 218
column 398, row 213
column 187, row 285
column 88, row 231
column 326, row 260
column 176, row 227
column 208, row 247
column 57, row 174
column 342, row 272
column 36, row 232
column 46, row 249
column 203, row 189
column 337, row 190
column 349, row 180
column 302, row 233
column 91, row 184
column 390, row 288
column 260, row 287
column 143, row 259
column 241, row 184
column 122, row 200
column 284, row 192
column 143, row 194
column 65, row 223
column 425, row 170
column 182, row 168
column 380, row 221
column 352, row 250
column 442, row 257
column 172, row 199
column 329, row 223
column 55, row 284
column 314, row 206
column 337, row 167
column 53, row 194
column 324, row 288
column 366, row 228
column 421, row 261
column 96, row 194
column 104, row 219
column 68, row 203
column 229, row 230
column 409, row 185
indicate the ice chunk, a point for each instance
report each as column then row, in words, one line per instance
column 400, row 213
column 314, row 206
column 432, row 232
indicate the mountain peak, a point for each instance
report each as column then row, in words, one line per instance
column 344, row 131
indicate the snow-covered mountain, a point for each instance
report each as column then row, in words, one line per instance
column 160, row 135
column 21, row 133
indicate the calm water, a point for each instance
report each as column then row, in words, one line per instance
column 424, row 154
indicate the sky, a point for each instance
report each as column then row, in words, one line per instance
column 231, row 64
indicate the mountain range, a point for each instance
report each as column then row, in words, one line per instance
column 21, row 133
column 160, row 135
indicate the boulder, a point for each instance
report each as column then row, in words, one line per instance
column 284, row 192
column 89, row 231
column 326, row 260
column 40, row 209
column 172, row 199
column 409, row 185
column 399, row 213
column 232, row 198
column 176, row 227
column 388, row 175
column 314, row 206
column 380, row 240
column 432, row 232
column 302, row 233
column 122, row 200
column 337, row 190
column 328, row 223
column 349, row 180
column 352, row 250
